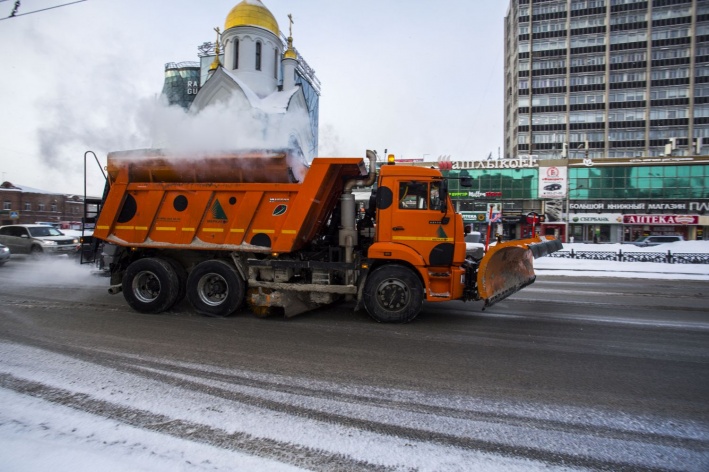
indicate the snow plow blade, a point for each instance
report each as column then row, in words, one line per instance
column 508, row 267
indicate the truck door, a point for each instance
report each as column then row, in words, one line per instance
column 418, row 222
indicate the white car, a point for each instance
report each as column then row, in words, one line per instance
column 474, row 248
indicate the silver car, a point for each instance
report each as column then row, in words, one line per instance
column 37, row 240
column 4, row 254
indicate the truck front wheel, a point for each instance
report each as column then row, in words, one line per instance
column 150, row 285
column 393, row 294
column 214, row 288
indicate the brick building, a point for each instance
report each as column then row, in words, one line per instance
column 22, row 205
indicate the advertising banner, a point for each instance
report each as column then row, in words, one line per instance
column 552, row 182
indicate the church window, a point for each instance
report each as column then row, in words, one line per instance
column 236, row 53
column 258, row 56
column 275, row 63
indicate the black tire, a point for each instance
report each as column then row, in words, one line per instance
column 393, row 294
column 181, row 279
column 214, row 288
column 150, row 285
column 36, row 253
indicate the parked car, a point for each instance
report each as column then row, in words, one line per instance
column 4, row 254
column 473, row 245
column 37, row 240
column 655, row 240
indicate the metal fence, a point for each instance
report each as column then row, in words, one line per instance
column 620, row 256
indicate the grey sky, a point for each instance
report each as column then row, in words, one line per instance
column 418, row 78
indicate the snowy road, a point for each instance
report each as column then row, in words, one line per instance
column 563, row 376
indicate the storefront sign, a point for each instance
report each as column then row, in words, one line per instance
column 476, row 194
column 601, row 218
column 524, row 161
column 660, row 219
column 634, row 205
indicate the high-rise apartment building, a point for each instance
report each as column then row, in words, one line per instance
column 606, row 78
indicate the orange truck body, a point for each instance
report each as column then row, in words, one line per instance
column 251, row 227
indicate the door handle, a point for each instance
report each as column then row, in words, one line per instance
column 398, row 228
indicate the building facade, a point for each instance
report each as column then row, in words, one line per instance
column 606, row 78
column 605, row 200
column 25, row 205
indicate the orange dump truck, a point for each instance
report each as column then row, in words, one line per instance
column 251, row 228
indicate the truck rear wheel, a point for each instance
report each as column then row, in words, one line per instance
column 214, row 288
column 150, row 285
column 393, row 294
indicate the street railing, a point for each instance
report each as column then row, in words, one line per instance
column 666, row 257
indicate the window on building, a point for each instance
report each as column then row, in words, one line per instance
column 621, row 37
column 545, row 82
column 548, row 45
column 542, row 8
column 635, row 76
column 670, row 92
column 549, row 64
column 627, row 115
column 658, row 33
column 28, row 206
column 670, row 53
column 627, row 96
column 584, row 98
column 588, row 22
column 548, row 118
column 676, row 11
column 671, row 73
column 586, row 4
column 625, row 57
column 546, row 26
column 595, row 60
column 7, row 205
column 548, row 100
column 586, row 117
column 275, row 63
column 236, row 53
column 626, row 18
column 40, row 206
column 701, row 111
column 53, row 207
column 258, row 55
column 587, row 41
column 668, row 113
column 588, row 79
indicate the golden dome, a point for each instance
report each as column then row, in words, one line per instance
column 251, row 13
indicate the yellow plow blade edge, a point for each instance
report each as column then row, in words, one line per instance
column 508, row 267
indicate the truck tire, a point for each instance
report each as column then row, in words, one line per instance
column 150, row 285
column 393, row 294
column 181, row 279
column 214, row 288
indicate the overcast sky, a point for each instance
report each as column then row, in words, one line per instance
column 419, row 78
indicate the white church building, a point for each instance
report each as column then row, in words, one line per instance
column 254, row 67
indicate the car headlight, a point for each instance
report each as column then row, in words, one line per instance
column 4, row 250
column 75, row 241
column 49, row 243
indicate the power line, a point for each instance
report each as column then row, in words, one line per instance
column 14, row 13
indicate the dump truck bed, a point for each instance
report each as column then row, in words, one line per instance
column 253, row 202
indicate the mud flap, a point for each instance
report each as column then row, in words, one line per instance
column 508, row 267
